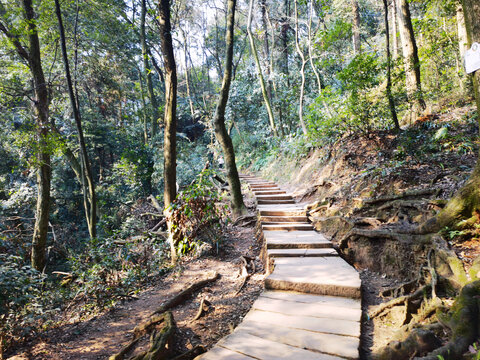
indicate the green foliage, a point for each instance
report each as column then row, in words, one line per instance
column 22, row 300
column 111, row 269
column 199, row 214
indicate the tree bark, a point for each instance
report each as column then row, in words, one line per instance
column 187, row 78
column 391, row 102
column 148, row 71
column 238, row 207
column 356, row 28
column 410, row 55
column 259, row 70
column 312, row 63
column 41, row 104
column 302, row 71
column 90, row 199
column 170, row 120
column 394, row 29
column 465, row 204
column 462, row 32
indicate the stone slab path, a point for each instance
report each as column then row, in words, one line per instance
column 310, row 308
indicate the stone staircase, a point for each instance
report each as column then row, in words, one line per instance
column 310, row 308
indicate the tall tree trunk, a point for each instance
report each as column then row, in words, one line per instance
column 266, row 46
column 356, row 27
column 238, row 207
column 144, row 104
column 148, row 71
column 187, row 78
column 41, row 104
column 302, row 71
column 259, row 71
column 391, row 102
column 410, row 55
column 394, row 29
column 320, row 85
column 170, row 118
column 462, row 31
column 90, row 199
column 285, row 26
column 463, row 208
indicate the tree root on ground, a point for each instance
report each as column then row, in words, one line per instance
column 181, row 296
column 160, row 338
column 404, row 237
column 407, row 193
column 462, row 320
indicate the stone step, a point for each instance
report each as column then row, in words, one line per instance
column 309, row 323
column 324, row 276
column 287, row 226
column 274, row 197
column 275, row 202
column 278, row 210
column 295, row 240
column 261, row 182
column 276, row 253
column 277, row 219
column 259, row 348
column 269, row 192
column 328, row 344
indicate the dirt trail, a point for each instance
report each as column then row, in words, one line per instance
column 107, row 334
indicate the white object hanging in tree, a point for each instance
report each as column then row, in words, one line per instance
column 472, row 58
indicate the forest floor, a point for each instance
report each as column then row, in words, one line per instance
column 107, row 334
column 434, row 156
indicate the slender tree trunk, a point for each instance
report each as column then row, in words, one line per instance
column 391, row 102
column 463, row 209
column 302, row 71
column 41, row 108
column 394, row 29
column 144, row 104
column 170, row 118
column 312, row 63
column 259, row 71
column 187, row 78
column 462, row 32
column 238, row 207
column 266, row 47
column 90, row 200
column 356, row 28
column 410, row 55
column 148, row 71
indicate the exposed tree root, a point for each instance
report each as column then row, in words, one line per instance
column 204, row 306
column 181, row 296
column 419, row 341
column 191, row 354
column 160, row 338
column 464, row 205
column 400, row 300
column 407, row 193
column 246, row 261
column 384, row 234
column 463, row 319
